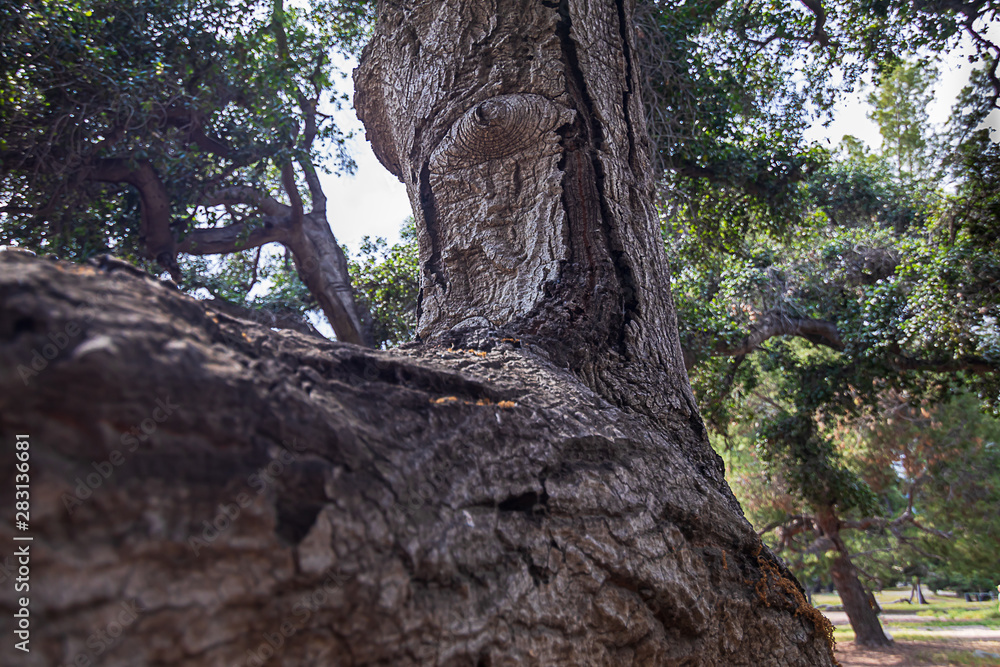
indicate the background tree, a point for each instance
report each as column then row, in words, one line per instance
column 894, row 291
column 194, row 126
column 899, row 107
column 387, row 282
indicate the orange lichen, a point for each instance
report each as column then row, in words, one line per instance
column 482, row 402
column 774, row 581
column 470, row 351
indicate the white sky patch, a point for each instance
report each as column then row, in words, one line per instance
column 371, row 202
column 850, row 114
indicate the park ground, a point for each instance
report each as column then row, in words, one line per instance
column 948, row 631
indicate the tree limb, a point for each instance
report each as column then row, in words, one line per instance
column 288, row 183
column 233, row 238
column 820, row 35
column 156, row 234
column 242, row 194
column 777, row 323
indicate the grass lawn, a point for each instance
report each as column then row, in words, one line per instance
column 917, row 639
column 946, row 606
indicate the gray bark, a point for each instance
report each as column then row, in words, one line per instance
column 518, row 131
column 425, row 506
column 319, row 260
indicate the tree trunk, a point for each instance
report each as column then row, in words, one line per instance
column 517, row 128
column 322, row 266
column 206, row 491
column 542, row 492
column 860, row 612
column 915, row 590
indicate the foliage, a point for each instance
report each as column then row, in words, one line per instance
column 387, row 280
column 103, row 103
column 899, row 107
column 878, row 286
column 730, row 87
column 257, row 279
column 961, row 493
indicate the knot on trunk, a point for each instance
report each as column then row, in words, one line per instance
column 496, row 128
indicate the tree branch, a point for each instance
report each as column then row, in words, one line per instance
column 156, row 234
column 242, row 194
column 820, row 35
column 268, row 318
column 288, row 183
column 312, row 180
column 233, row 238
column 777, row 323
column 975, row 365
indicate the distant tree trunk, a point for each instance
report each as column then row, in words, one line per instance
column 322, row 266
column 319, row 259
column 860, row 612
column 916, row 590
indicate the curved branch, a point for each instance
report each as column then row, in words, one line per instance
column 820, row 35
column 156, row 234
column 776, row 323
column 233, row 238
column 242, row 194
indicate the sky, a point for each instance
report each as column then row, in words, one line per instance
column 372, row 202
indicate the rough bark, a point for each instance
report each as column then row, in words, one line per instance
column 519, row 133
column 860, row 612
column 542, row 494
column 321, row 264
column 241, row 486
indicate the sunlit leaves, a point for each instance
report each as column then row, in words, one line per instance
column 386, row 279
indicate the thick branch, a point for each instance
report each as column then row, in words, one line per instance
column 776, row 323
column 156, row 233
column 268, row 318
column 233, row 238
column 288, row 183
column 974, row 365
column 241, row 194
column 820, row 35
column 309, row 136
